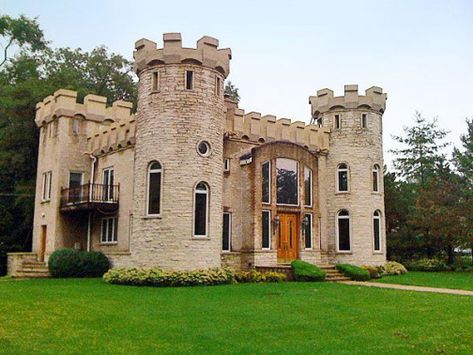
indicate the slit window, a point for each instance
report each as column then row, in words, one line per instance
column 266, row 229
column 226, row 165
column 189, row 80
column 375, row 178
column 338, row 122
column 227, row 232
column 266, row 182
column 217, row 86
column 364, row 120
column 308, row 231
column 155, row 81
column 307, row 187
column 377, row 231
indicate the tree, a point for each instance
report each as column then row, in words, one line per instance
column 232, row 92
column 463, row 159
column 422, row 149
column 22, row 32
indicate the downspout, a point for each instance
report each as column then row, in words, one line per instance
column 91, row 184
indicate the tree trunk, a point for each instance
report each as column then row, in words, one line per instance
column 451, row 255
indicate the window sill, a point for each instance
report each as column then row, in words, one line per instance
column 342, row 192
column 378, row 253
column 152, row 217
column 376, row 193
column 108, row 243
column 348, row 252
column 266, row 250
column 45, row 201
column 200, row 238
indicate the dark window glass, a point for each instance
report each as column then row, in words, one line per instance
column 266, row 176
column 376, row 226
column 115, row 230
column 363, row 120
column 307, row 186
column 343, row 233
column 104, row 230
column 376, row 178
column 75, row 181
column 155, row 81
column 265, row 222
column 226, row 232
column 203, row 148
column 189, row 79
column 287, row 181
column 200, row 212
column 342, row 177
column 308, row 231
column 338, row 123
column 154, row 202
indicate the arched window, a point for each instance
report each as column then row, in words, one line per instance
column 377, row 231
column 153, row 205
column 343, row 231
column 342, row 178
column 375, row 178
column 201, row 209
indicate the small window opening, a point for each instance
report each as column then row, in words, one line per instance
column 155, row 81
column 338, row 122
column 217, row 86
column 189, row 80
column 226, row 165
column 364, row 120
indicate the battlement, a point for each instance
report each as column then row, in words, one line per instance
column 258, row 129
column 108, row 138
column 206, row 54
column 64, row 103
column 374, row 99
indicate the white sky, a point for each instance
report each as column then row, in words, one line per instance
column 419, row 52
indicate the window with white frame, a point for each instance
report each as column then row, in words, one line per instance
column 266, row 182
column 308, row 230
column 227, row 232
column 108, row 176
column 338, row 122
column 109, row 233
column 47, row 183
column 342, row 178
column 364, row 120
column 266, row 229
column 153, row 203
column 375, row 177
column 377, row 231
column 226, row 165
column 287, row 184
column 189, row 80
column 201, row 209
column 343, row 231
column 307, row 187
column 155, row 81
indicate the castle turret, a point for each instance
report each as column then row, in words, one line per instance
column 179, row 152
column 353, row 226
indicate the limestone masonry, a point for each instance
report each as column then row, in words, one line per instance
column 193, row 181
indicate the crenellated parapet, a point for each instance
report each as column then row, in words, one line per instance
column 257, row 129
column 374, row 99
column 109, row 138
column 64, row 103
column 207, row 53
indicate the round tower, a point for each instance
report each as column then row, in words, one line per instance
column 177, row 215
column 353, row 228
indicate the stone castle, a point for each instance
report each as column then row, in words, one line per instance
column 193, row 181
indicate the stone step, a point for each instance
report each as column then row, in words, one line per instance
column 33, row 264
column 34, row 269
column 338, row 278
column 31, row 275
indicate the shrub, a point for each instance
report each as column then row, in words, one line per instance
column 428, row 265
column 354, row 272
column 3, row 259
column 304, row 271
column 375, row 271
column 71, row 263
column 393, row 268
column 157, row 277
column 253, row 276
column 463, row 263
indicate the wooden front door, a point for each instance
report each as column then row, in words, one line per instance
column 288, row 237
column 42, row 243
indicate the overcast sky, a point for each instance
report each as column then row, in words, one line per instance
column 419, row 52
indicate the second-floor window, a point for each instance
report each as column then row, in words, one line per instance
column 47, row 183
column 266, row 182
column 107, row 180
column 342, row 178
column 189, row 80
column 154, row 189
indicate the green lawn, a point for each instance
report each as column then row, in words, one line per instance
column 89, row 316
column 458, row 280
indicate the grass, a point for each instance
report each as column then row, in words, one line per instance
column 89, row 316
column 457, row 280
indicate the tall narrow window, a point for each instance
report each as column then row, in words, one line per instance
column 364, row 120
column 342, row 178
column 109, row 233
column 154, row 189
column 266, row 230
column 266, row 182
column 308, row 230
column 307, row 186
column 75, row 186
column 343, row 231
column 75, row 126
column 377, row 231
column 107, row 178
column 375, row 177
column 189, row 80
column 287, row 181
column 226, row 165
column 155, row 79
column 47, row 183
column 217, row 86
column 227, row 232
column 201, row 209
column 338, row 122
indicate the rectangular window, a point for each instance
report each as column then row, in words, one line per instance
column 155, row 81
column 308, row 230
column 287, row 181
column 154, row 193
column 200, row 222
column 338, row 122
column 266, row 182
column 75, row 186
column 226, row 165
column 189, row 80
column 217, row 86
column 377, row 234
column 108, row 177
column 47, row 183
column 75, row 126
column 227, row 232
column 266, row 230
column 109, row 233
column 343, row 234
column 364, row 121
column 307, row 187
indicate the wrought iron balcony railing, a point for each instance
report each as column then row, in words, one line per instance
column 90, row 196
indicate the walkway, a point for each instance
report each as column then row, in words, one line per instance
column 410, row 288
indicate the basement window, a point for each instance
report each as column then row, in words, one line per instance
column 189, row 80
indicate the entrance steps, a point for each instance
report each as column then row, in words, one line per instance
column 32, row 269
column 333, row 275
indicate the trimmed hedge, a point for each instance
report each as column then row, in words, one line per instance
column 254, row 276
column 393, row 268
column 159, row 278
column 427, row 265
column 304, row 271
column 71, row 263
column 354, row 272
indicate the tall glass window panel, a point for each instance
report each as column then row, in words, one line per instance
column 266, row 230
column 266, row 182
column 201, row 210
column 287, row 181
column 343, row 221
column 377, row 230
column 375, row 178
column 154, row 188
column 307, row 186
column 308, row 231
column 227, row 232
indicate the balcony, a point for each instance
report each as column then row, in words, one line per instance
column 90, row 197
